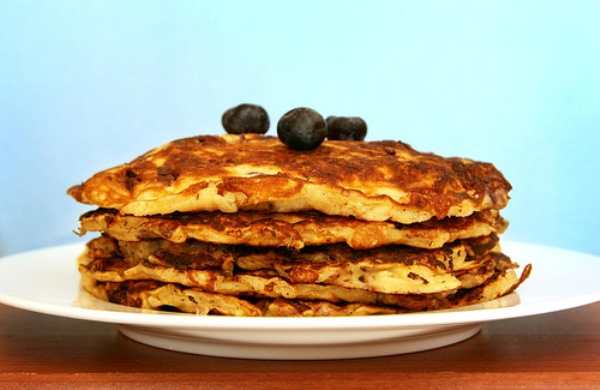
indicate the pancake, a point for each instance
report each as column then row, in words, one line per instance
column 295, row 230
column 333, row 273
column 153, row 295
column 372, row 181
column 241, row 225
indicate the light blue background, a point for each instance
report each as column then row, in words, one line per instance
column 85, row 85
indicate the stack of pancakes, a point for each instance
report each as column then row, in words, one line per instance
column 241, row 225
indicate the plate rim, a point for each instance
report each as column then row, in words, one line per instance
column 449, row 317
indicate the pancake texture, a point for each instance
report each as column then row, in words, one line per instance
column 389, row 269
column 241, row 225
column 294, row 230
column 372, row 181
column 153, row 277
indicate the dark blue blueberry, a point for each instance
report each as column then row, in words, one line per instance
column 346, row 128
column 302, row 129
column 246, row 118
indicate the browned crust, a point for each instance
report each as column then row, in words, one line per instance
column 295, row 230
column 377, row 180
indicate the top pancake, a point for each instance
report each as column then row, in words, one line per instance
column 373, row 181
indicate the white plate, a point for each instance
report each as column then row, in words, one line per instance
column 47, row 281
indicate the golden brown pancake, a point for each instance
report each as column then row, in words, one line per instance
column 373, row 181
column 296, row 230
column 150, row 294
column 391, row 275
column 241, row 225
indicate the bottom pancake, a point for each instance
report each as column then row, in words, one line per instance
column 205, row 278
column 148, row 294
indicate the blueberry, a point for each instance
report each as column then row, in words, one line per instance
column 246, row 118
column 302, row 129
column 346, row 128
